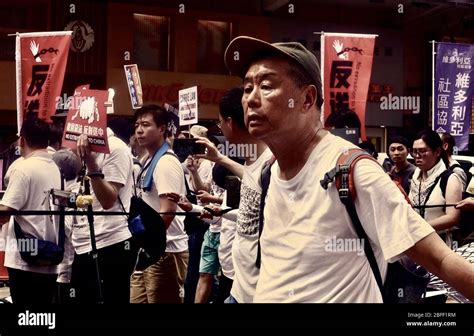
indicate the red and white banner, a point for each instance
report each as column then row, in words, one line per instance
column 347, row 66
column 41, row 60
column 88, row 117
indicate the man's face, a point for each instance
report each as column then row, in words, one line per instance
column 147, row 132
column 270, row 97
column 398, row 152
column 225, row 125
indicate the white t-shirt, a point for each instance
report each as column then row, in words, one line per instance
column 109, row 230
column 29, row 180
column 168, row 177
column 225, row 244
column 244, row 247
column 310, row 250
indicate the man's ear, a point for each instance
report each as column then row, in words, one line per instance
column 310, row 96
column 445, row 146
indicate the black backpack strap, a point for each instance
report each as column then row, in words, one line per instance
column 343, row 173
column 444, row 177
column 265, row 181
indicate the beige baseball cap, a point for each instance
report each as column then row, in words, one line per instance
column 197, row 130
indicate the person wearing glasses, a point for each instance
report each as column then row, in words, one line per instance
column 433, row 186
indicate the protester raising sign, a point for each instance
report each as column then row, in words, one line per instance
column 90, row 118
column 347, row 65
column 41, row 60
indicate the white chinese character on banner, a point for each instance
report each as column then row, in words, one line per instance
column 458, row 113
column 456, row 128
column 442, row 101
column 445, row 59
column 460, row 97
column 462, row 81
column 444, row 85
column 442, row 118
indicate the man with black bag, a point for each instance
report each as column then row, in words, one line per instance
column 163, row 281
column 30, row 179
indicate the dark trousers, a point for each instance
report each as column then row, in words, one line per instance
column 31, row 288
column 192, row 276
column 223, row 291
column 116, row 263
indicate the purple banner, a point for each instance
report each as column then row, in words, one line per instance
column 453, row 91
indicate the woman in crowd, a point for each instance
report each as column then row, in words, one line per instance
column 433, row 186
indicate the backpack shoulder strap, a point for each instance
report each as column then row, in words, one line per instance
column 343, row 173
column 265, row 182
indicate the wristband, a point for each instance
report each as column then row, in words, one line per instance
column 96, row 174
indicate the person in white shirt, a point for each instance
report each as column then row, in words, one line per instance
column 425, row 189
column 162, row 282
column 245, row 242
column 111, row 182
column 30, row 178
column 282, row 101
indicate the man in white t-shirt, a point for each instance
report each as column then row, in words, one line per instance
column 30, row 178
column 111, row 183
column 162, row 282
column 300, row 256
column 245, row 242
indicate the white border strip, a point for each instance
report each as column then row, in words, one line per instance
column 55, row 33
column 347, row 34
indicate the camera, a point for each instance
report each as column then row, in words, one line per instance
column 64, row 198
column 185, row 147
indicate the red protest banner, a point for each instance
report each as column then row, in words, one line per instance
column 347, row 66
column 88, row 117
column 41, row 60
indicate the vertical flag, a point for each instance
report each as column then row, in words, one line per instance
column 453, row 91
column 41, row 60
column 347, row 66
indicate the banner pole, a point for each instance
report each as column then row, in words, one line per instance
column 433, row 53
column 322, row 74
column 19, row 114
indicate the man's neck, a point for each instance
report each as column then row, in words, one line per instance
column 401, row 165
column 292, row 152
column 28, row 151
column 153, row 148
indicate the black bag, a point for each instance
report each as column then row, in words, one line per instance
column 148, row 231
column 192, row 223
column 41, row 252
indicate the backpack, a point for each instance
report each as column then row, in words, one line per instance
column 405, row 282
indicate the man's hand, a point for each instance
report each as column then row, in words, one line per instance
column 215, row 211
column 181, row 200
column 205, row 197
column 466, row 204
column 192, row 164
column 212, row 153
column 84, row 152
